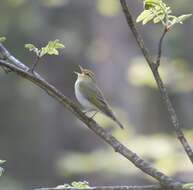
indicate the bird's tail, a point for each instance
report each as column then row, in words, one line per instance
column 118, row 122
column 110, row 114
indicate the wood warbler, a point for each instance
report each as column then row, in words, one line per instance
column 90, row 96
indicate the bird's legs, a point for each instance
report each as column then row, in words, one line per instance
column 94, row 114
column 87, row 111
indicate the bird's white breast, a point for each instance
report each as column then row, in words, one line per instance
column 80, row 97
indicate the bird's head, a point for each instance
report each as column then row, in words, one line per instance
column 85, row 74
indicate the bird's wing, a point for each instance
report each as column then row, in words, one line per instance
column 93, row 94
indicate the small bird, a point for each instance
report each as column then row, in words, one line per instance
column 90, row 96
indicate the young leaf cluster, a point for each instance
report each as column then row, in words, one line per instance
column 188, row 186
column 157, row 11
column 50, row 49
column 2, row 39
column 1, row 169
column 76, row 185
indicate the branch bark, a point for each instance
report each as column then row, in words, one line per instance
column 22, row 70
column 159, row 54
column 148, row 187
column 162, row 89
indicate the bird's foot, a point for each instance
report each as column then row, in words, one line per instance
column 94, row 114
column 87, row 111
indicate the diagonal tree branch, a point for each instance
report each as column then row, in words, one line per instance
column 148, row 187
column 19, row 68
column 161, row 87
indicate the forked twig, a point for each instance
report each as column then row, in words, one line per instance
column 161, row 87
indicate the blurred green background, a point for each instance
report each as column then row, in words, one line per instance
column 43, row 143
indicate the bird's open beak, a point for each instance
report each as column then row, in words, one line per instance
column 81, row 69
column 76, row 72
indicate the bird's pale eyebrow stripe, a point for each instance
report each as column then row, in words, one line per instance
column 90, row 73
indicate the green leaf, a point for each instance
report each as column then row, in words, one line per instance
column 188, row 186
column 32, row 48
column 51, row 48
column 49, row 51
column 182, row 18
column 74, row 185
column 148, row 19
column 158, row 19
column 175, row 20
column 2, row 39
column 2, row 161
column 148, row 4
column 80, row 184
column 143, row 15
column 157, row 11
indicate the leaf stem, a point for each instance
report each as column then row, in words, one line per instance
column 35, row 64
column 160, row 47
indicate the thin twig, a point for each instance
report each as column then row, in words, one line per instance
column 90, row 123
column 34, row 64
column 161, row 87
column 148, row 187
column 159, row 54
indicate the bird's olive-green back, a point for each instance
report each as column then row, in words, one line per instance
column 93, row 94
